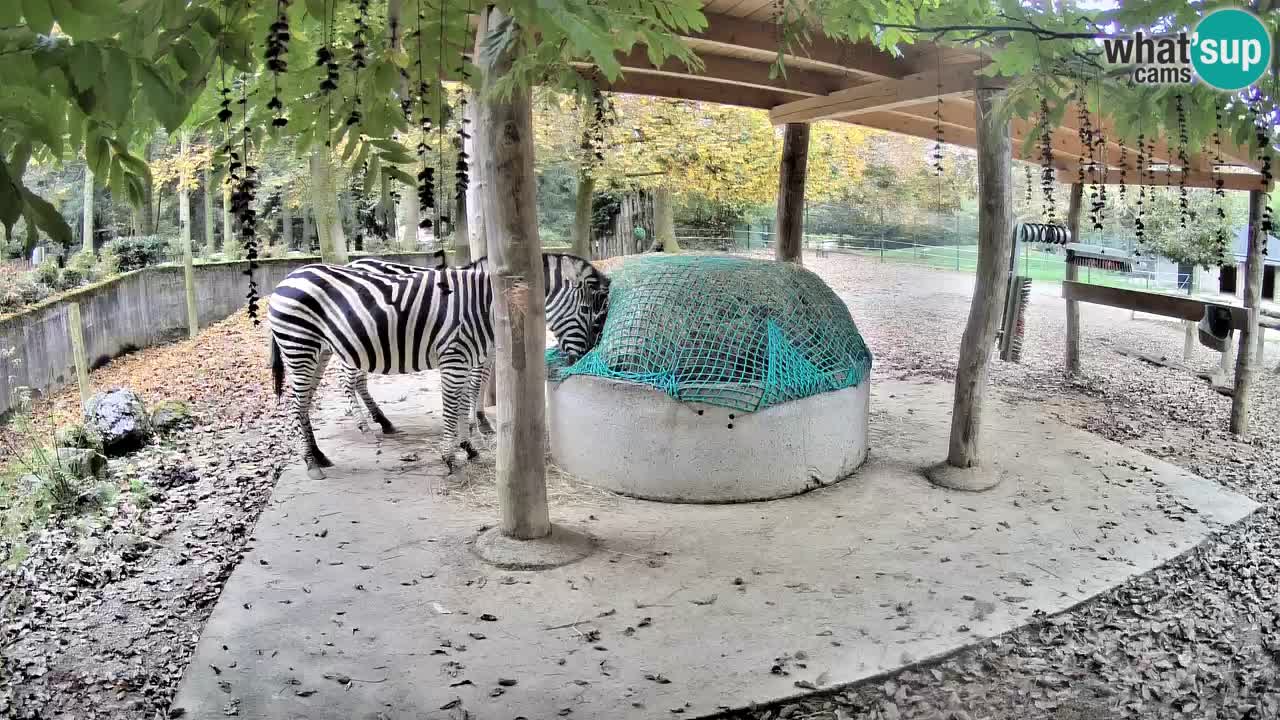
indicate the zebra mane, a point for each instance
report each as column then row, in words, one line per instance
column 585, row 266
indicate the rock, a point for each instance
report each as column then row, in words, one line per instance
column 120, row 418
column 77, row 436
column 81, row 463
column 169, row 415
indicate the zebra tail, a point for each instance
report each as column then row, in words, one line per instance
column 277, row 367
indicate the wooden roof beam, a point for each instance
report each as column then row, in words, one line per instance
column 864, row 59
column 952, row 134
column 734, row 71
column 879, row 96
column 1230, row 181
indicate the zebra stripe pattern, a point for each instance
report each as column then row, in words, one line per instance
column 409, row 323
column 355, row 382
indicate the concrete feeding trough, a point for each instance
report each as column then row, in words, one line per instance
column 715, row 380
column 632, row 439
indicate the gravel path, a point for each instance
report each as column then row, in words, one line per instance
column 1197, row 638
column 101, row 617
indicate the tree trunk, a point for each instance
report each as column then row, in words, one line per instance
column 87, row 226
column 582, row 215
column 664, row 222
column 188, row 259
column 791, row 176
column 305, row 244
column 477, row 237
column 228, row 230
column 286, row 224
column 995, row 217
column 411, row 215
column 1072, row 359
column 461, row 231
column 1252, row 301
column 209, row 247
column 504, row 148
column 324, row 201
column 146, row 215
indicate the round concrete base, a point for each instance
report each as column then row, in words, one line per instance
column 561, row 547
column 634, row 440
column 972, row 479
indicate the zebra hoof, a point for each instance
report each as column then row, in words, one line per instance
column 454, row 460
column 322, row 461
column 389, row 429
column 315, row 473
column 362, row 426
column 472, row 453
column 483, row 424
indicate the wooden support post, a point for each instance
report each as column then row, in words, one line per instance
column 1260, row 356
column 87, row 225
column 995, row 235
column 791, row 176
column 461, row 231
column 504, row 149
column 1252, row 303
column 188, row 256
column 1072, row 359
column 75, row 327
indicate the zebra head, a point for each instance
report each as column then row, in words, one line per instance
column 577, row 303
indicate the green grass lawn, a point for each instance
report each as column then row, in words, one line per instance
column 1038, row 265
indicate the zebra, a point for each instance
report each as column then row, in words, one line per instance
column 355, row 382
column 408, row 323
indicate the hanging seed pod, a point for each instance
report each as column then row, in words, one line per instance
column 461, row 167
column 1262, row 133
column 1124, row 161
column 1029, row 195
column 1139, row 225
column 277, row 46
column 1048, row 177
column 1183, row 162
column 244, row 185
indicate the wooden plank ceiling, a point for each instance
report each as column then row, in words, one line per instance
column 860, row 84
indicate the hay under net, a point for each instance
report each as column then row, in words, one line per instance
column 734, row 332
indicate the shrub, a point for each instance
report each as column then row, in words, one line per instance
column 134, row 252
column 19, row 288
column 47, row 272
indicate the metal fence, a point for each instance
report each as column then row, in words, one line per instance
column 1044, row 265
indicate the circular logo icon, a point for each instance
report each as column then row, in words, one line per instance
column 1231, row 49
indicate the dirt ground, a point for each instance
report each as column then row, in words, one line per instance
column 100, row 618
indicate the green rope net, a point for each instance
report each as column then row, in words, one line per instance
column 734, row 332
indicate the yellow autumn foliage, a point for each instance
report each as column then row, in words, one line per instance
column 724, row 153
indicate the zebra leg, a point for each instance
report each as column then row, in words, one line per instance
column 454, row 374
column 305, row 378
column 349, row 379
column 360, row 385
column 475, row 383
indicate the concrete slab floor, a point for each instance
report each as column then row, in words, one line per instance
column 362, row 597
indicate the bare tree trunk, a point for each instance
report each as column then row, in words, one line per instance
column 504, row 148
column 664, row 221
column 461, row 231
column 582, row 215
column 286, row 221
column 791, row 177
column 1072, row 359
column 209, row 247
column 410, row 216
column 995, row 217
column 188, row 259
column 228, row 233
column 307, row 234
column 1252, row 301
column 87, row 226
column 324, row 200
column 476, row 187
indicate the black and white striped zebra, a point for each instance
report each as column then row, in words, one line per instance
column 355, row 382
column 409, row 323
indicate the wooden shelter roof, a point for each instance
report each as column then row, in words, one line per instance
column 859, row 83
